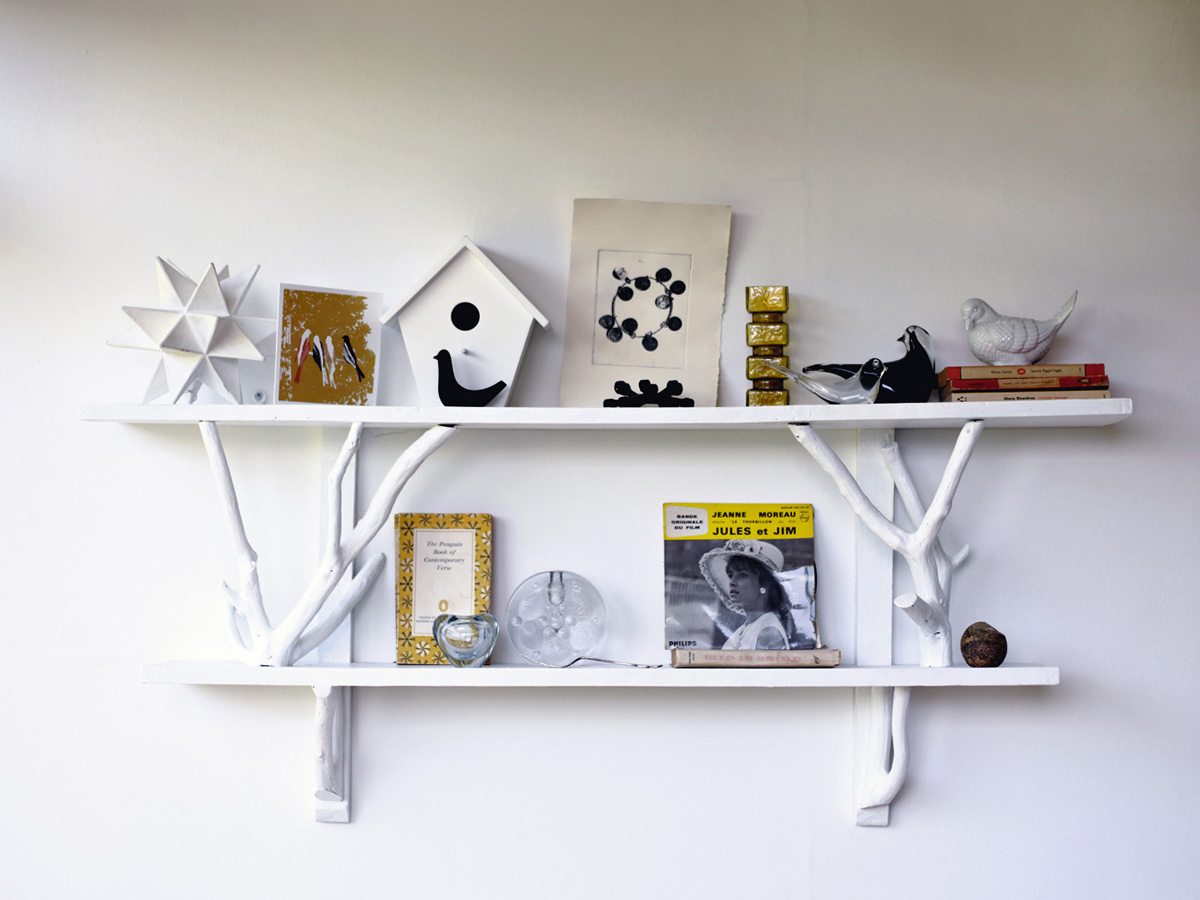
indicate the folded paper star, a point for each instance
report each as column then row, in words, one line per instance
column 197, row 332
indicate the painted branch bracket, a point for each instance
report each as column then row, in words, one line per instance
column 882, row 748
column 881, row 713
column 329, row 599
column 932, row 568
column 333, row 753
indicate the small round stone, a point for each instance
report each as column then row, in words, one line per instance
column 983, row 647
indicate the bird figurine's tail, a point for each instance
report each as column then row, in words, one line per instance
column 1061, row 315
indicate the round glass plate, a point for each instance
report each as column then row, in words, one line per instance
column 554, row 617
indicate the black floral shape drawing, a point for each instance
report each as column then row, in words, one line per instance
column 615, row 328
column 650, row 395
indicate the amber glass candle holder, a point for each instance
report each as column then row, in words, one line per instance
column 767, row 337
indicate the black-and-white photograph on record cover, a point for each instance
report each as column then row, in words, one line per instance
column 740, row 577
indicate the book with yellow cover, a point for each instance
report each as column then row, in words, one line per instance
column 443, row 565
column 740, row 576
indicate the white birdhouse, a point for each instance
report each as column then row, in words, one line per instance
column 466, row 327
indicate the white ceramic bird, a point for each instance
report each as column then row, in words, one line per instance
column 1010, row 340
column 861, row 387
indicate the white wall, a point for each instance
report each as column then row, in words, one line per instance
column 886, row 160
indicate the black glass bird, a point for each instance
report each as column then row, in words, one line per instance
column 909, row 379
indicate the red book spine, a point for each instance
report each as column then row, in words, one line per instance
column 1028, row 382
column 1089, row 370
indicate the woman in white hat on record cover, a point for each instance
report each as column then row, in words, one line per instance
column 748, row 576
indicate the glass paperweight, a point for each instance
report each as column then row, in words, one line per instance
column 556, row 617
column 467, row 641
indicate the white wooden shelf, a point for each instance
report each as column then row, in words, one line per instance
column 1001, row 414
column 591, row 676
column 881, row 691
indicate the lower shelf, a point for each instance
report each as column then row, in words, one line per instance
column 881, row 695
column 591, row 675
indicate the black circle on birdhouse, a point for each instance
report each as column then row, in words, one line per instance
column 465, row 316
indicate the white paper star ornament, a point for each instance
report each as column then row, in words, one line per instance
column 197, row 333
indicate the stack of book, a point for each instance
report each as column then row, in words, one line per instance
column 1041, row 382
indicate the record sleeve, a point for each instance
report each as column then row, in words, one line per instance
column 740, row 576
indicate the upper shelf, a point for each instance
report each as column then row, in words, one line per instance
column 1002, row 414
column 590, row 675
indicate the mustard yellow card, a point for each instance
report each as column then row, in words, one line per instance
column 328, row 346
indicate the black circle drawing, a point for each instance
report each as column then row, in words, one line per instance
column 615, row 329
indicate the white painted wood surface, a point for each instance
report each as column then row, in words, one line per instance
column 882, row 691
column 881, row 750
column 873, row 558
column 1010, row 414
column 333, row 711
column 873, row 631
column 332, row 793
column 387, row 674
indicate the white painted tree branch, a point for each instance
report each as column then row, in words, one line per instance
column 905, row 486
column 862, row 507
column 236, row 617
column 932, row 618
column 379, row 510
column 329, row 764
column 297, row 634
column 337, row 475
column 932, row 569
column 339, row 558
column 250, row 606
column 933, row 628
column 887, row 765
column 343, row 600
column 943, row 498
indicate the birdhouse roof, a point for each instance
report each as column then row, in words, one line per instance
column 467, row 246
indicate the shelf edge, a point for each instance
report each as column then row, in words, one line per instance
column 390, row 675
column 1009, row 414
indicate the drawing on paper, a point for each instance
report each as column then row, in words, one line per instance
column 645, row 292
column 327, row 348
column 630, row 313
